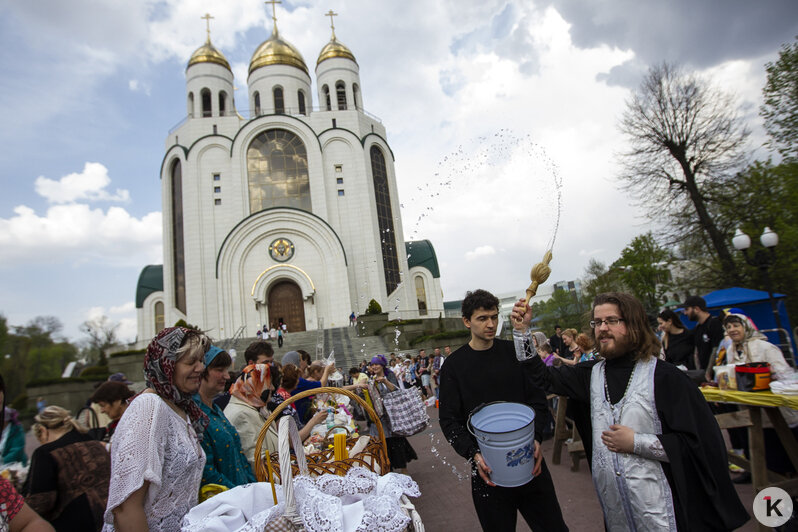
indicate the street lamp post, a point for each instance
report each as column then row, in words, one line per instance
column 762, row 259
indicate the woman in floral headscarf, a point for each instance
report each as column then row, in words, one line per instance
column 251, row 402
column 156, row 459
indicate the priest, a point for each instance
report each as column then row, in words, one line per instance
column 657, row 456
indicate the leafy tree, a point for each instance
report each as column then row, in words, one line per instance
column 599, row 279
column 766, row 195
column 686, row 140
column 780, row 109
column 565, row 308
column 643, row 269
column 373, row 308
column 101, row 335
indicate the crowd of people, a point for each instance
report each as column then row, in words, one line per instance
column 629, row 386
column 193, row 425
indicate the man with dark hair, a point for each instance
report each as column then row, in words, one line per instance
column 707, row 334
column 657, row 456
column 111, row 397
column 483, row 371
column 259, row 352
column 556, row 340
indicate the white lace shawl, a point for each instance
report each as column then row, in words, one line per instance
column 361, row 501
column 153, row 443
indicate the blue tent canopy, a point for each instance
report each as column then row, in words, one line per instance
column 755, row 304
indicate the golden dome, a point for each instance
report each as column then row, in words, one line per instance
column 334, row 48
column 207, row 53
column 276, row 51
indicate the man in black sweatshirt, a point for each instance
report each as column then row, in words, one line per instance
column 483, row 371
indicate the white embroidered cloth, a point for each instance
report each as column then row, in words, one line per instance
column 361, row 501
column 153, row 443
column 242, row 509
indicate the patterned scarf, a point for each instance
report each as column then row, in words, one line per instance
column 250, row 385
column 159, row 372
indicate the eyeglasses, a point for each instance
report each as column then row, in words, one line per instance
column 611, row 322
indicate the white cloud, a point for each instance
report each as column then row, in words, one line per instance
column 479, row 252
column 125, row 308
column 77, row 233
column 88, row 185
column 136, row 85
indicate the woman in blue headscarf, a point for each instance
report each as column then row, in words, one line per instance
column 400, row 452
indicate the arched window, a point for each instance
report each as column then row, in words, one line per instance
column 356, row 96
column 382, row 197
column 206, row 102
column 222, row 103
column 421, row 296
column 326, row 91
column 178, row 250
column 191, row 105
column 159, row 317
column 340, row 94
column 279, row 103
column 301, row 97
column 277, row 167
column 257, row 104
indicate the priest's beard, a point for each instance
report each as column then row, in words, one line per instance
column 620, row 346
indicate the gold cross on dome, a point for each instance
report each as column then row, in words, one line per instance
column 207, row 19
column 332, row 22
column 274, row 8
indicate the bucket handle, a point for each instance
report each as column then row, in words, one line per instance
column 469, row 426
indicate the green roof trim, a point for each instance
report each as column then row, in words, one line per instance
column 453, row 305
column 150, row 280
column 421, row 253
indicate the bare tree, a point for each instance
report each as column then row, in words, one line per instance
column 686, row 139
column 101, row 333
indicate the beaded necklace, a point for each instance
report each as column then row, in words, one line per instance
column 617, row 410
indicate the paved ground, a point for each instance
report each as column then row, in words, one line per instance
column 445, row 502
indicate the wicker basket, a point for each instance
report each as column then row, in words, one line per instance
column 373, row 457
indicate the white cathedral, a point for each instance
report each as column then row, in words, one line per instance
column 291, row 213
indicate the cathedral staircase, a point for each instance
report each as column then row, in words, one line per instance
column 350, row 349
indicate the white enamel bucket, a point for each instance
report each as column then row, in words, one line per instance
column 506, row 436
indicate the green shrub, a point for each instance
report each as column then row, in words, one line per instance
column 20, row 403
column 95, row 372
column 440, row 336
column 129, row 352
column 373, row 308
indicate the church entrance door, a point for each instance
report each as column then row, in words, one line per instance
column 285, row 301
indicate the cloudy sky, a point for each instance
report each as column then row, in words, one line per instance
column 90, row 88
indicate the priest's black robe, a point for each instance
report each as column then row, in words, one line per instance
column 697, row 471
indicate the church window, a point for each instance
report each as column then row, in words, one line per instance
column 301, row 97
column 340, row 94
column 191, row 105
column 217, row 190
column 217, row 177
column 222, row 103
column 257, row 104
column 159, row 317
column 277, row 171
column 326, row 91
column 178, row 250
column 339, row 168
column 339, row 180
column 421, row 296
column 206, row 102
column 382, row 197
column 340, row 192
column 217, row 201
column 279, row 104
column 356, row 96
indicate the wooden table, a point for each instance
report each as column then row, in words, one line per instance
column 750, row 416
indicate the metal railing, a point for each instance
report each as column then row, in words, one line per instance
column 785, row 348
column 290, row 111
